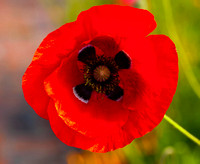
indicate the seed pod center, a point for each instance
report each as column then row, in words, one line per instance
column 101, row 73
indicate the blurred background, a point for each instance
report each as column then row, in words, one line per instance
column 25, row 138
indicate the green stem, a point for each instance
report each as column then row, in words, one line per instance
column 182, row 130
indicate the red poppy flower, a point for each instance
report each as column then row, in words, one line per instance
column 102, row 81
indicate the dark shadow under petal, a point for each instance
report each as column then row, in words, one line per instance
column 87, row 54
column 123, row 60
column 82, row 92
column 116, row 94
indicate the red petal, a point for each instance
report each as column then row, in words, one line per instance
column 149, row 92
column 99, row 116
column 107, row 45
column 101, row 144
column 116, row 21
column 47, row 58
column 65, row 133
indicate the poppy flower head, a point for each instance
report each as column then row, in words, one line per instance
column 103, row 81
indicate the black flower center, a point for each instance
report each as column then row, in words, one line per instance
column 101, row 74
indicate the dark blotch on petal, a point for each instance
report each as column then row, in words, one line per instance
column 116, row 94
column 123, row 60
column 83, row 92
column 87, row 54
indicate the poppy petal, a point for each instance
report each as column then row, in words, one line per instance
column 106, row 20
column 65, row 133
column 149, row 102
column 46, row 59
column 106, row 44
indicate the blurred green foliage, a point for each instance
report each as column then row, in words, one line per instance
column 180, row 20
